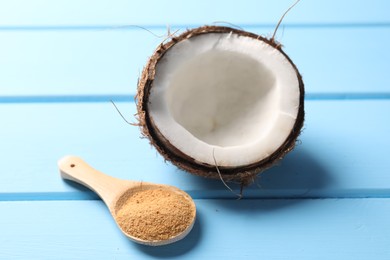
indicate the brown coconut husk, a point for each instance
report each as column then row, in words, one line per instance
column 243, row 174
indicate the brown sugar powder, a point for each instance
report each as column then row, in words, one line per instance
column 155, row 214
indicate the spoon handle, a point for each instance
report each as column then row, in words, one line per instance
column 107, row 187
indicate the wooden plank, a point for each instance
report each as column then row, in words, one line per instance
column 58, row 63
column 247, row 229
column 104, row 62
column 343, row 152
column 122, row 12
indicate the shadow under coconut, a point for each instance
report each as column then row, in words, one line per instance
column 179, row 248
column 299, row 175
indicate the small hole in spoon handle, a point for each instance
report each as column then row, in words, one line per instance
column 107, row 187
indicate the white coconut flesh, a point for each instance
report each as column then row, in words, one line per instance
column 226, row 97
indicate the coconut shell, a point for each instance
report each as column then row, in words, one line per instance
column 243, row 174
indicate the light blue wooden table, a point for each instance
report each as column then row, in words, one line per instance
column 62, row 61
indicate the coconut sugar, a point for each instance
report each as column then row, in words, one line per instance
column 155, row 214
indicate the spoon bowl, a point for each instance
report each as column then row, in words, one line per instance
column 114, row 192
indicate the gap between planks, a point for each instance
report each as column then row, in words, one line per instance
column 98, row 27
column 211, row 195
column 131, row 98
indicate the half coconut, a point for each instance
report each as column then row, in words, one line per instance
column 221, row 102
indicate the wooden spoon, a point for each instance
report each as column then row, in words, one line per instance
column 111, row 190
